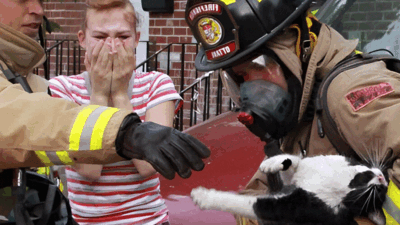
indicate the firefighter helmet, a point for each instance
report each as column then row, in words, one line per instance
column 230, row 30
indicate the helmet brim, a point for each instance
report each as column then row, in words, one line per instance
column 202, row 64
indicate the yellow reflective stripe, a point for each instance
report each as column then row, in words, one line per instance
column 228, row 2
column 77, row 128
column 96, row 141
column 389, row 219
column 394, row 194
column 61, row 187
column 64, row 157
column 43, row 170
column 43, row 157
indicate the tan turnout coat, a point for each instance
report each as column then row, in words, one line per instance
column 37, row 130
column 370, row 130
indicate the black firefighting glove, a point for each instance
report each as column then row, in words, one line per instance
column 166, row 149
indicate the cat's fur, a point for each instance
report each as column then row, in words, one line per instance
column 317, row 190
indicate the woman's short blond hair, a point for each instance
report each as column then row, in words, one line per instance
column 103, row 5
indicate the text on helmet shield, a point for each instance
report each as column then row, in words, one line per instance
column 204, row 9
column 221, row 51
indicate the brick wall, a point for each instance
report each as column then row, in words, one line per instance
column 69, row 15
column 164, row 28
column 370, row 20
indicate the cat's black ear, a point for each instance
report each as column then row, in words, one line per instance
column 378, row 217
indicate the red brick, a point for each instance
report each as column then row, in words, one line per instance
column 179, row 14
column 189, row 32
column 161, row 22
column 179, row 31
column 173, row 39
column 161, row 39
column 176, row 23
column 183, row 23
column 185, row 39
column 167, row 31
column 155, row 31
column 191, row 48
column 177, row 48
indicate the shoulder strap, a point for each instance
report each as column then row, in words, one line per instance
column 16, row 78
column 326, row 124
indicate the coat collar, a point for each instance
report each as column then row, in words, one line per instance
column 18, row 51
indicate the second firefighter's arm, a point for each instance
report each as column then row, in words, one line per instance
column 38, row 130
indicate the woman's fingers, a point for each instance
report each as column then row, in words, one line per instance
column 96, row 51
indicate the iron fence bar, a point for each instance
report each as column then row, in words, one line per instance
column 68, row 58
column 197, row 88
column 192, row 106
column 219, row 95
column 168, row 58
column 74, row 66
column 204, row 102
column 158, row 52
column 61, row 58
column 182, row 78
column 156, row 62
column 47, row 73
column 147, row 56
column 79, row 61
column 58, row 42
column 208, row 96
column 46, row 63
column 57, row 53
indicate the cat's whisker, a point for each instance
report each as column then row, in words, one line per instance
column 366, row 202
column 363, row 157
column 374, row 197
column 361, row 194
column 369, row 153
column 385, row 160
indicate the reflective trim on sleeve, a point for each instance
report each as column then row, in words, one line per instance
column 77, row 128
column 391, row 206
column 389, row 219
column 96, row 142
column 64, row 157
column 43, row 157
column 54, row 158
column 88, row 129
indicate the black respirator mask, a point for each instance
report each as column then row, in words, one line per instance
column 266, row 109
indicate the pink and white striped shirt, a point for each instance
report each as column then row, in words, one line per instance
column 121, row 195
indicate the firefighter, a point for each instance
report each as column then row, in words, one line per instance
column 272, row 55
column 37, row 130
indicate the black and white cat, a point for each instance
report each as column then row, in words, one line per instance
column 317, row 190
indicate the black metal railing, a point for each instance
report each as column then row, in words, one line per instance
column 65, row 57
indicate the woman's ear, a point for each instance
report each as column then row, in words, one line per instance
column 81, row 38
column 137, row 39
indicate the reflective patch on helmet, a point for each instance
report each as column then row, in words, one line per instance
column 228, row 2
column 204, row 9
column 221, row 51
column 210, row 30
column 359, row 98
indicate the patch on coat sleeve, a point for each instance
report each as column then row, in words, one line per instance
column 359, row 98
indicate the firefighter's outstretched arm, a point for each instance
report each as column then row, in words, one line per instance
column 167, row 149
column 37, row 130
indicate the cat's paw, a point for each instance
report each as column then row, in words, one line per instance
column 276, row 164
column 203, row 197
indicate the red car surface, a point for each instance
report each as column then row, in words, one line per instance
column 235, row 157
